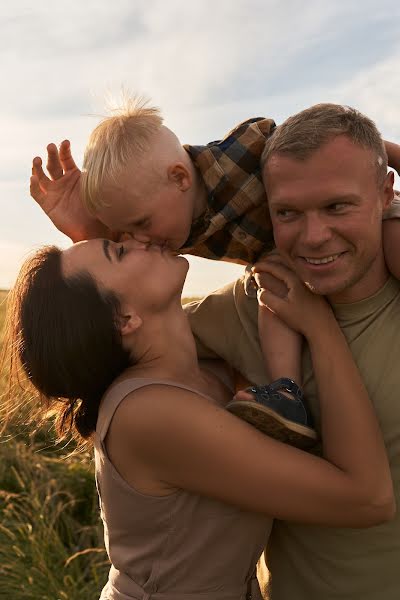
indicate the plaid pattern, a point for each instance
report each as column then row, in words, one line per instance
column 236, row 225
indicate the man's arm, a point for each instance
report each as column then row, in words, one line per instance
column 59, row 195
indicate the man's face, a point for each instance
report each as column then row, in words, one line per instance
column 326, row 213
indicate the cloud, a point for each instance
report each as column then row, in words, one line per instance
column 207, row 64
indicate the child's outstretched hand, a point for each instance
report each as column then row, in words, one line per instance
column 59, row 195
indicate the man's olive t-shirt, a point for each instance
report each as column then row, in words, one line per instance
column 309, row 562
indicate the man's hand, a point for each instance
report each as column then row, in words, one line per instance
column 59, row 195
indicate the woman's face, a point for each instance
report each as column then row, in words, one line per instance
column 142, row 276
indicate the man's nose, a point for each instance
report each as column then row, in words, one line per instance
column 315, row 230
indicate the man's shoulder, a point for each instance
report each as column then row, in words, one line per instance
column 222, row 298
column 224, row 309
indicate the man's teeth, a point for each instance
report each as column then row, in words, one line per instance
column 322, row 261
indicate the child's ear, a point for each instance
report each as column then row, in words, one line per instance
column 388, row 192
column 180, row 175
column 129, row 323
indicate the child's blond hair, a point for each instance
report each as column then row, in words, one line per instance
column 118, row 138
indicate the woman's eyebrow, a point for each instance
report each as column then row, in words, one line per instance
column 106, row 249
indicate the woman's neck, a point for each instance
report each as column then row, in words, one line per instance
column 164, row 348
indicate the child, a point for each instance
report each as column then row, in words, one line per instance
column 203, row 200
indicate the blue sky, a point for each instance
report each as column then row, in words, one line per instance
column 207, row 65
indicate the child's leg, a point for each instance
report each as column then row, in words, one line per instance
column 277, row 409
column 281, row 347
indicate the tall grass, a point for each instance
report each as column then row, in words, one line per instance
column 51, row 539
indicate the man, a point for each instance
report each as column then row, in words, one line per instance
column 326, row 179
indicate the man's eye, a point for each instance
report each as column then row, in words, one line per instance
column 285, row 212
column 121, row 251
column 337, row 206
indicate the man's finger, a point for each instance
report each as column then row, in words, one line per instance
column 53, row 162
column 66, row 159
column 36, row 190
column 38, row 172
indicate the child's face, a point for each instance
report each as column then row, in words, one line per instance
column 158, row 214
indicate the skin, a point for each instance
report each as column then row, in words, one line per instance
column 330, row 205
column 155, row 208
column 145, row 277
column 352, row 489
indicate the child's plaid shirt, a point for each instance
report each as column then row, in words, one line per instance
column 236, row 225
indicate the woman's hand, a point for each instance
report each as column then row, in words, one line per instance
column 282, row 292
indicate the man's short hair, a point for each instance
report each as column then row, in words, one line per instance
column 116, row 140
column 306, row 132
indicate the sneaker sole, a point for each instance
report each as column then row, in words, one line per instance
column 271, row 423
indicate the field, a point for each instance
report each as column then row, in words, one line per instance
column 51, row 544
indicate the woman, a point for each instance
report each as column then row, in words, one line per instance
column 187, row 490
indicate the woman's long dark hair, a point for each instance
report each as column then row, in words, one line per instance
column 63, row 332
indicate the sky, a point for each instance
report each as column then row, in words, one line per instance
column 208, row 65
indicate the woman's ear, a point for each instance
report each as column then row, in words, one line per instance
column 129, row 323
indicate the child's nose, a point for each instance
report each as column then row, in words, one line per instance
column 142, row 237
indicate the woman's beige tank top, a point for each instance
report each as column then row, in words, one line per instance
column 178, row 547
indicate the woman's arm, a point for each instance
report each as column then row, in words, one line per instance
column 187, row 442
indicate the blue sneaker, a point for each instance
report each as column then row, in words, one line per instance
column 272, row 412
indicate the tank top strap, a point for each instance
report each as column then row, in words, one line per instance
column 117, row 392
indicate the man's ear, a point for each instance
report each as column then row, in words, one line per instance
column 388, row 192
column 180, row 175
column 129, row 323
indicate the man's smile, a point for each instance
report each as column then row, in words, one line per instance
column 323, row 259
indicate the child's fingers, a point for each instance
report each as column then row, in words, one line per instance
column 53, row 162
column 35, row 190
column 66, row 159
column 38, row 172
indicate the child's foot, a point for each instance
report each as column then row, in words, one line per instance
column 279, row 410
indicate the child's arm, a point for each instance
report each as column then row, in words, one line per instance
column 391, row 223
column 393, row 152
column 391, row 245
